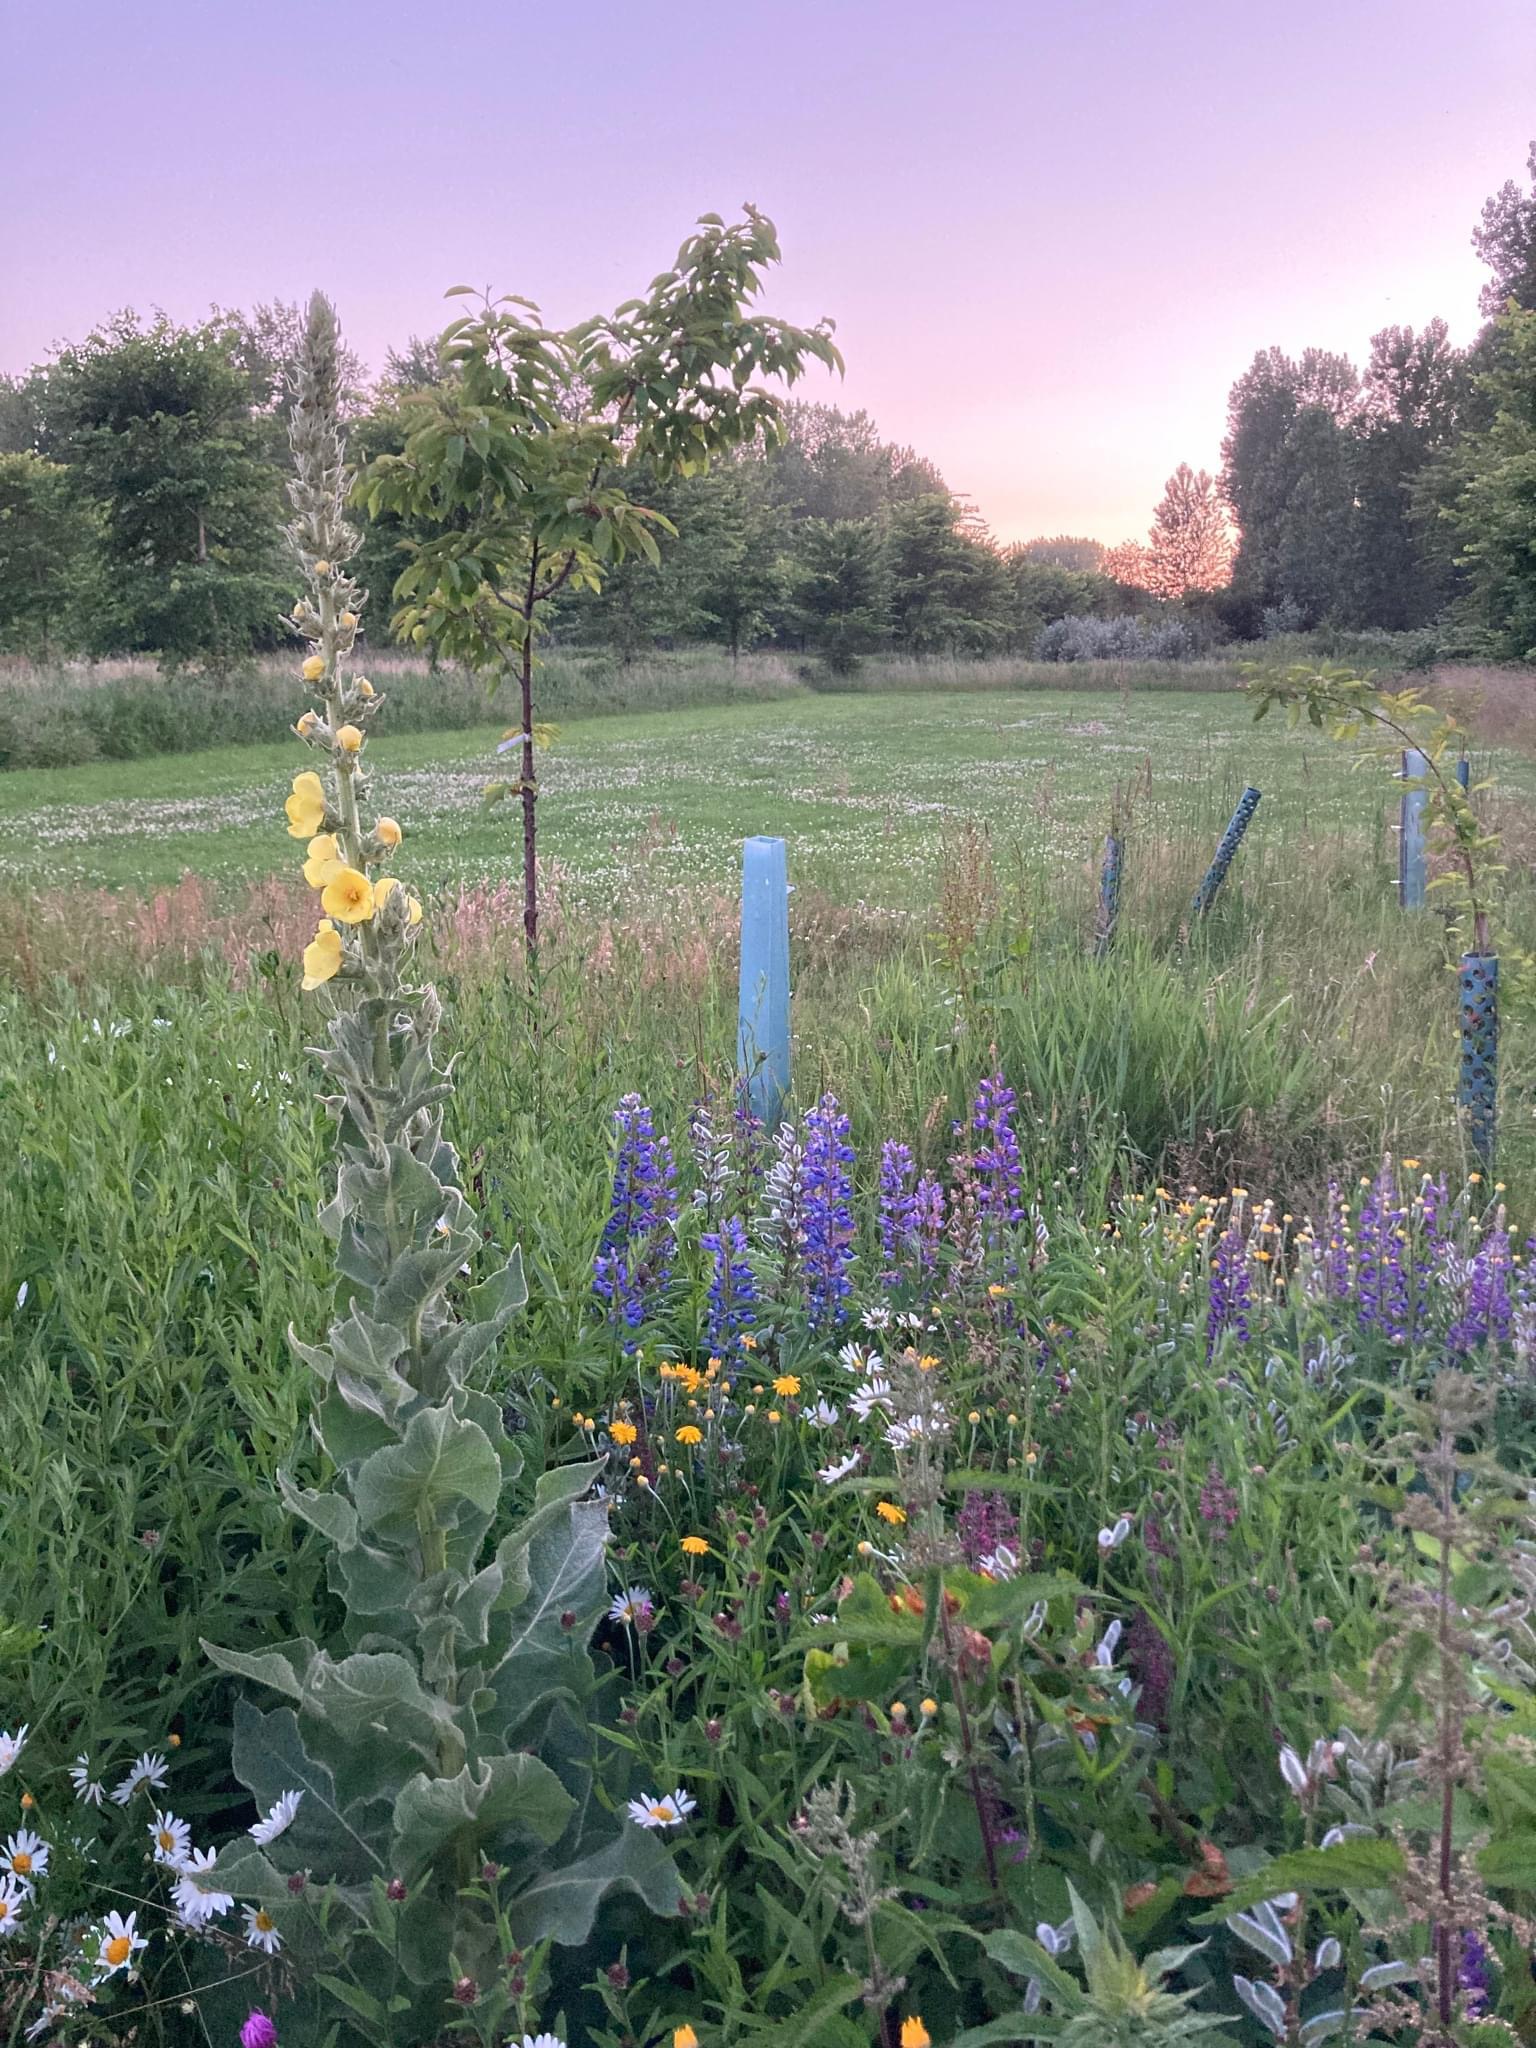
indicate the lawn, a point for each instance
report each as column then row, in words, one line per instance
column 858, row 784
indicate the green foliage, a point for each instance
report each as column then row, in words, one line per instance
column 841, row 591
column 157, row 428
column 45, row 552
column 1489, row 489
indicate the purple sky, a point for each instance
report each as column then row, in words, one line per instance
column 1051, row 232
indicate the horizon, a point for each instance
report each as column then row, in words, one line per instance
column 1057, row 353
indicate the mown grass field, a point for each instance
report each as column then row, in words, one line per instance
column 860, row 785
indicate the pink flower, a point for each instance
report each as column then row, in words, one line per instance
column 258, row 2032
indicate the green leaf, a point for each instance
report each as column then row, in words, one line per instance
column 561, row 1905
column 443, row 1462
column 270, row 1758
column 1509, row 1861
column 1363, row 1861
column 505, row 1800
column 272, row 1668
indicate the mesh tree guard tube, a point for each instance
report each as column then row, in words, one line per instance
column 1478, row 1090
column 1108, row 915
column 762, row 1043
column 1231, row 840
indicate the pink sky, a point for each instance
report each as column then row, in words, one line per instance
column 1050, row 234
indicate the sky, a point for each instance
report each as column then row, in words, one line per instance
column 1051, row 235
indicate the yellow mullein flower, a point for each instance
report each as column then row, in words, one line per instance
column 914, row 2034
column 323, row 861
column 349, row 738
column 348, row 897
column 314, row 668
column 323, row 955
column 786, row 1386
column 684, row 2037
column 306, row 806
column 306, row 724
column 387, row 832
column 690, row 1433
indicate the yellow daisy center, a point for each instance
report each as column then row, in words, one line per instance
column 21, row 1863
column 264, row 1922
column 118, row 1949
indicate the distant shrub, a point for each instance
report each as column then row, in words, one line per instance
column 1285, row 617
column 1122, row 639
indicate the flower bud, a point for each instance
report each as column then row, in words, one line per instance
column 349, row 738
column 387, row 832
column 314, row 668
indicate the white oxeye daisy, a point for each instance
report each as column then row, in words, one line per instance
column 823, row 1415
column 13, row 1899
column 635, row 1605
column 542, row 2041
column 261, row 1930
column 25, row 1857
column 656, row 1812
column 875, row 1393
column 172, row 1839
column 1001, row 1563
column 1111, row 1539
column 148, row 1770
column 277, row 1819
column 86, row 1787
column 829, row 1475
column 859, row 1360
column 11, row 1747
column 198, row 1895
column 120, row 1943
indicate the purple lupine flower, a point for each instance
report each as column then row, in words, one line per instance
column 928, row 1215
column 1487, row 1311
column 711, row 1149
column 986, row 1523
column 828, row 1211
column 999, row 1171
column 749, row 1146
column 258, row 2032
column 898, row 1209
column 1231, row 1291
column 732, row 1290
column 1472, row 1974
column 1382, row 1282
column 634, row 1259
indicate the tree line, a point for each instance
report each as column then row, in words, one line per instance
column 143, row 482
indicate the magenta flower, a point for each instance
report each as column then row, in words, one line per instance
column 258, row 2032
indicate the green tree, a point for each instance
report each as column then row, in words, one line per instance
column 742, row 541
column 1190, row 544
column 948, row 586
column 841, row 589
column 1505, row 238
column 1062, row 551
column 24, row 423
column 1399, row 572
column 833, row 465
column 45, row 549
column 1489, row 488
column 1282, row 467
column 162, row 443
column 525, row 460
column 1043, row 589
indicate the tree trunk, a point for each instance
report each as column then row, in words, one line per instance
column 530, row 821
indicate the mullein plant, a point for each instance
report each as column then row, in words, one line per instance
column 429, row 1825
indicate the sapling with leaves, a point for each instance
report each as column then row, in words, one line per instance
column 430, row 1822
column 526, row 461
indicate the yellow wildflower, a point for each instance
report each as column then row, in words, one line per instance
column 786, row 1386
column 347, row 620
column 914, row 2034
column 322, row 567
column 623, row 1432
column 748, row 1341
column 348, row 896
column 349, row 738
column 314, row 668
column 888, row 1511
column 387, row 832
column 306, row 806
column 928, row 1708
column 323, row 955
column 324, row 860
column 690, row 1433
column 684, row 2037
column 927, row 1363
column 695, row 1546
column 306, row 724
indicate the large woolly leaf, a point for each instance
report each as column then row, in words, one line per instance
column 270, row 1758
column 503, row 1802
column 281, row 1669
column 331, row 1513
column 561, row 1905
column 443, row 1462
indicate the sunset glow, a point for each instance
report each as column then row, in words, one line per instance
column 1050, row 236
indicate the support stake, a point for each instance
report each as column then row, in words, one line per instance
column 762, row 1045
column 1478, row 1090
column 1411, row 874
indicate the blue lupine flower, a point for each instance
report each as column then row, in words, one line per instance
column 828, row 1211
column 1231, row 1290
column 898, row 1209
column 1487, row 1311
column 732, row 1290
column 999, row 1171
column 634, row 1260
